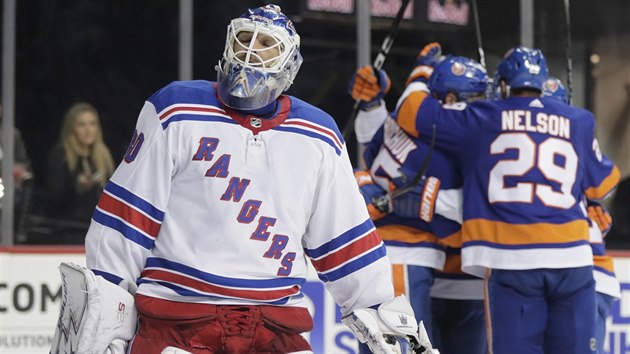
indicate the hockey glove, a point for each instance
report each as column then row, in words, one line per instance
column 599, row 215
column 376, row 198
column 369, row 87
column 418, row 202
column 390, row 329
column 427, row 59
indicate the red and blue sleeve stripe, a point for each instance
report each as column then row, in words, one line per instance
column 347, row 253
column 135, row 218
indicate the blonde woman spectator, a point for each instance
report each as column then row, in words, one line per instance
column 78, row 168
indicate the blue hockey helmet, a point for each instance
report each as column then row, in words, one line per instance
column 460, row 75
column 522, row 67
column 251, row 76
column 554, row 88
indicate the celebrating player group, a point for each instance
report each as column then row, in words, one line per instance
column 474, row 228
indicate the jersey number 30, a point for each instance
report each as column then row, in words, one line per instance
column 532, row 155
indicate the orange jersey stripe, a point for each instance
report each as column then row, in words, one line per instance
column 605, row 262
column 606, row 186
column 408, row 111
column 453, row 240
column 524, row 234
column 405, row 234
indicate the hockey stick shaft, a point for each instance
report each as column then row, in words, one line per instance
column 482, row 55
column 378, row 63
column 567, row 13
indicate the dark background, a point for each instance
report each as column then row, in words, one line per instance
column 116, row 53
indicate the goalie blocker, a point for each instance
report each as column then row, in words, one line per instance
column 390, row 329
column 96, row 316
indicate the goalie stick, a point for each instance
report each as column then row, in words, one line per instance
column 378, row 63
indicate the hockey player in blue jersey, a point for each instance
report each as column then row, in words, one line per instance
column 393, row 156
column 607, row 286
column 526, row 161
column 456, row 297
column 227, row 190
column 411, row 245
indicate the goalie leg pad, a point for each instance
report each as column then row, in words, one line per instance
column 96, row 316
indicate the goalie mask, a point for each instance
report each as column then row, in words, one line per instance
column 462, row 76
column 522, row 67
column 260, row 60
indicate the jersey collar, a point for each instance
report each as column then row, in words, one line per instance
column 257, row 123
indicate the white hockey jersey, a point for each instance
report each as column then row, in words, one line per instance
column 212, row 207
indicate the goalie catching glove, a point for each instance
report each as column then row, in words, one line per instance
column 390, row 329
column 96, row 317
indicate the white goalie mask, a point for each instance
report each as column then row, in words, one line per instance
column 251, row 75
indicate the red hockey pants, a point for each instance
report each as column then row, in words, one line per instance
column 210, row 329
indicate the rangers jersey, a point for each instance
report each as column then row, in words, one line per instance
column 213, row 207
column 526, row 163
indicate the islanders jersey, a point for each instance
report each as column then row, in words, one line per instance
column 213, row 207
column 391, row 153
column 526, row 163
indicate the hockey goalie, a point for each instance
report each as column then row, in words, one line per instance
column 204, row 218
column 99, row 317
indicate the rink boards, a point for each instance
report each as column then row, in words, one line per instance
column 30, row 299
